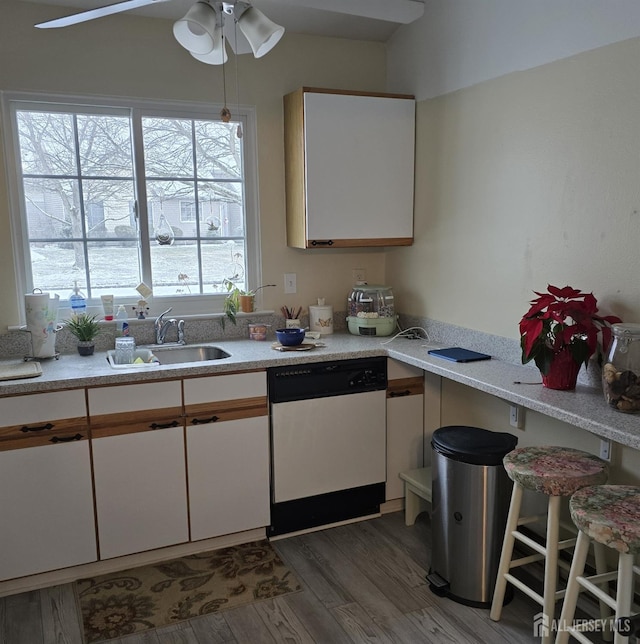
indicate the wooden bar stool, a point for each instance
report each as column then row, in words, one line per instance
column 557, row 472
column 609, row 515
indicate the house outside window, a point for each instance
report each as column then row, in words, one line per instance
column 113, row 194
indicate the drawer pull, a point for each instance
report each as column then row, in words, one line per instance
column 67, row 439
column 173, row 423
column 398, row 394
column 322, row 242
column 40, row 428
column 197, row 421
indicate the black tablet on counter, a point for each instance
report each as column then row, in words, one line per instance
column 458, row 354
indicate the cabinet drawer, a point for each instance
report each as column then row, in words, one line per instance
column 135, row 398
column 42, row 413
column 232, row 387
column 397, row 370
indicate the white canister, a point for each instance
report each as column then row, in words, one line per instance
column 321, row 317
column 42, row 314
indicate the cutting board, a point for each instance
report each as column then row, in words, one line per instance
column 20, row 370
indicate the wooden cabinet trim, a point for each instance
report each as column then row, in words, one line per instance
column 405, row 387
column 43, row 428
column 358, row 243
column 76, row 434
column 131, row 423
column 226, row 410
column 320, row 90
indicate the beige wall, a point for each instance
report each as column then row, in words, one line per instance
column 128, row 55
column 525, row 180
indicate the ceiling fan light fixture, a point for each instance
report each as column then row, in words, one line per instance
column 218, row 55
column 263, row 34
column 196, row 31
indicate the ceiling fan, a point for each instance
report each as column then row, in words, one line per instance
column 201, row 29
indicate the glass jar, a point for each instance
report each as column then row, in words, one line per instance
column 621, row 372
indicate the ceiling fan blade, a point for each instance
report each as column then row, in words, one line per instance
column 400, row 11
column 96, row 13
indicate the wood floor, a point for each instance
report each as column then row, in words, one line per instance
column 364, row 582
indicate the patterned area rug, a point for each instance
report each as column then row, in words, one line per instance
column 153, row 596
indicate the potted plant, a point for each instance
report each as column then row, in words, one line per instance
column 561, row 331
column 238, row 299
column 85, row 328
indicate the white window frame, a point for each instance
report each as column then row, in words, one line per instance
column 182, row 304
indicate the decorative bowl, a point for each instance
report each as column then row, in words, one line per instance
column 290, row 337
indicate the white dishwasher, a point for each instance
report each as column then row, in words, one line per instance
column 328, row 442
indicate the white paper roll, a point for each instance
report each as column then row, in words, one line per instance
column 42, row 316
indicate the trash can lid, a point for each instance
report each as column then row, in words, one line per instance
column 472, row 444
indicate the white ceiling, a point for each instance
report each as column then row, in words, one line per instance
column 293, row 15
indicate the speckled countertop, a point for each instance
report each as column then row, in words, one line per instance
column 584, row 407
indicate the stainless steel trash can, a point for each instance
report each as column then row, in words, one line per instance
column 470, row 502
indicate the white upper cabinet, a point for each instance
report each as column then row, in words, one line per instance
column 349, row 169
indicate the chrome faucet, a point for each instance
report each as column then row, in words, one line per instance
column 161, row 327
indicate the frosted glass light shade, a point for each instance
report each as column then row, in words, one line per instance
column 197, row 30
column 218, row 55
column 263, row 34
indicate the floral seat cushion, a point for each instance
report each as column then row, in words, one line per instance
column 609, row 514
column 555, row 471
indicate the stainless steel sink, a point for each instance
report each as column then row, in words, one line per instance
column 188, row 353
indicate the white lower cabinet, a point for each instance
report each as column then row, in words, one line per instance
column 46, row 504
column 227, row 453
column 405, row 420
column 139, row 467
column 141, row 492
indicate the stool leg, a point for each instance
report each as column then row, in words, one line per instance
column 624, row 594
column 551, row 566
column 507, row 552
column 573, row 587
column 599, row 550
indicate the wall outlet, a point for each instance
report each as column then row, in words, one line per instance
column 290, row 285
column 516, row 416
column 359, row 275
column 605, row 449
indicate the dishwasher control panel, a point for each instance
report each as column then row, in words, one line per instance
column 320, row 379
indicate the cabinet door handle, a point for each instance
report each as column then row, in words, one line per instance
column 322, row 242
column 173, row 423
column 197, row 421
column 66, row 439
column 40, row 428
column 398, row 394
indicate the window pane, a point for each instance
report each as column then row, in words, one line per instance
column 175, row 269
column 47, row 143
column 219, row 150
column 168, row 148
column 222, row 260
column 54, row 267
column 164, row 199
column 105, row 146
column 108, row 207
column 114, row 268
column 224, row 208
column 53, row 208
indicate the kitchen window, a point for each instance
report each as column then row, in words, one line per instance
column 115, row 193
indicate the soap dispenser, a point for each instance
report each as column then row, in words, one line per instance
column 76, row 300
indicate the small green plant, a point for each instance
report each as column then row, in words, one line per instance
column 232, row 300
column 83, row 326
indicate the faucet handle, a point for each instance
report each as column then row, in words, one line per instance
column 181, row 339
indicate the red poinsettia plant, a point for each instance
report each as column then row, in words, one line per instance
column 560, row 321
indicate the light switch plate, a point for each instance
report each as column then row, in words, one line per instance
column 290, row 285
